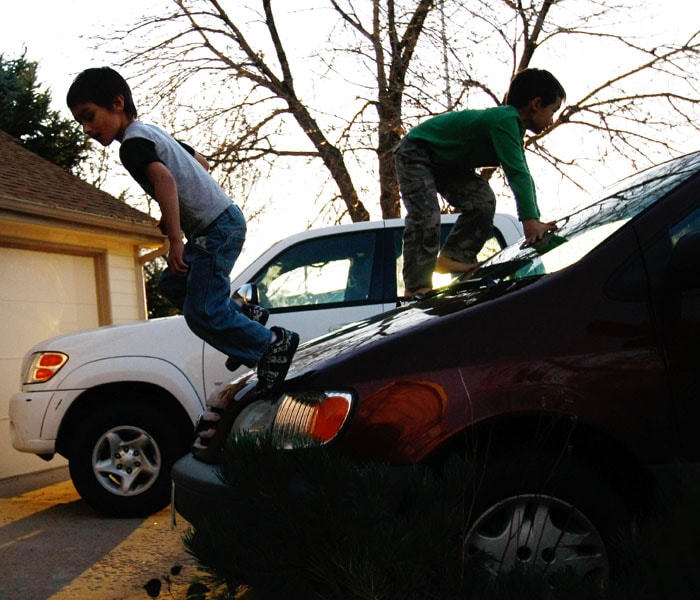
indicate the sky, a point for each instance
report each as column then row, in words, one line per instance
column 57, row 35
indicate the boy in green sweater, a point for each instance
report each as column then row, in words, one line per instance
column 440, row 156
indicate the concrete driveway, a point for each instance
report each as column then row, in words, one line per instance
column 53, row 546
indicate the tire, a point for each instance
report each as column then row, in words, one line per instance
column 540, row 514
column 121, row 458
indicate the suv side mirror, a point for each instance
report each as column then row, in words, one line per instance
column 247, row 294
column 684, row 265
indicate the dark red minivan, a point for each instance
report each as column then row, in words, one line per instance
column 565, row 371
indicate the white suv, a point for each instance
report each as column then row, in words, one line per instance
column 119, row 402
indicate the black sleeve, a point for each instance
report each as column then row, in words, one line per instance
column 136, row 154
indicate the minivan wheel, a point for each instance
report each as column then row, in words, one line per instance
column 541, row 534
column 121, row 458
column 540, row 513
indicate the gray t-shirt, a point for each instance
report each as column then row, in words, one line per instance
column 201, row 199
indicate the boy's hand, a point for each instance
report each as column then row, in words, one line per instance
column 176, row 260
column 166, row 195
column 534, row 230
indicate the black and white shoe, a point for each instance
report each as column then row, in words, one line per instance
column 254, row 313
column 274, row 364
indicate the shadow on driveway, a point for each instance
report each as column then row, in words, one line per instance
column 53, row 545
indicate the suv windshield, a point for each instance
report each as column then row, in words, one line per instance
column 583, row 230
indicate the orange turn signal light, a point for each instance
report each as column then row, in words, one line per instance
column 329, row 417
column 44, row 366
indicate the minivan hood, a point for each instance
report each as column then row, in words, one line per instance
column 404, row 321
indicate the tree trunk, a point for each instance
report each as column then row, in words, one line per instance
column 332, row 158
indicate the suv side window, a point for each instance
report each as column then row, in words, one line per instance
column 322, row 271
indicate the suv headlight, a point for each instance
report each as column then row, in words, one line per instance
column 42, row 366
column 316, row 416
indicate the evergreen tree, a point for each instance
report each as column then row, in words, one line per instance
column 25, row 114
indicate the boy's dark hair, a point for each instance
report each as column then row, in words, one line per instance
column 534, row 83
column 101, row 85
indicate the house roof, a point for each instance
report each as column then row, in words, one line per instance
column 30, row 184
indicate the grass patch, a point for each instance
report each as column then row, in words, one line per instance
column 313, row 526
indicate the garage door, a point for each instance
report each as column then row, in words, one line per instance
column 42, row 294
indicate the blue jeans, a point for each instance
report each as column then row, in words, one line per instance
column 204, row 294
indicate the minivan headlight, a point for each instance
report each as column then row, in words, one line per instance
column 316, row 416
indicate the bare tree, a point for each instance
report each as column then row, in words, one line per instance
column 229, row 49
column 236, row 69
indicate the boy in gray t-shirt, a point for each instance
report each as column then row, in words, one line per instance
column 197, row 279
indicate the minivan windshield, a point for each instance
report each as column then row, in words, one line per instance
column 583, row 230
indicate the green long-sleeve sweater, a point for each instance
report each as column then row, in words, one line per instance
column 483, row 138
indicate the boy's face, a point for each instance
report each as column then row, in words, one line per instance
column 102, row 124
column 542, row 115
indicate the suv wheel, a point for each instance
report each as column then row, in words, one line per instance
column 121, row 458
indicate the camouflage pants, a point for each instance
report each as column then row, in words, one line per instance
column 420, row 182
